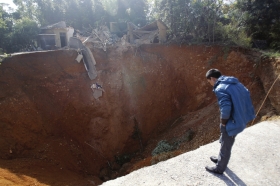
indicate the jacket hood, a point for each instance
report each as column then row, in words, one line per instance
column 226, row 80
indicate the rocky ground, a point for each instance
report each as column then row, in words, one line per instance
column 54, row 132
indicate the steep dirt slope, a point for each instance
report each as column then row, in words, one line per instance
column 153, row 92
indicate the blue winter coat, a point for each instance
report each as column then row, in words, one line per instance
column 235, row 104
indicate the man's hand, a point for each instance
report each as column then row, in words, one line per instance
column 223, row 121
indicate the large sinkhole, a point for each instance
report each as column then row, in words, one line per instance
column 153, row 94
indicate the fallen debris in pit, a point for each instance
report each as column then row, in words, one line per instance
column 79, row 57
column 97, row 90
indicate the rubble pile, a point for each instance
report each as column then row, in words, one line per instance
column 100, row 38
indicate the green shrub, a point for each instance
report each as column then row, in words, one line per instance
column 162, row 146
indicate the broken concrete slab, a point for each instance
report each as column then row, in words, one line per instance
column 79, row 58
column 88, row 58
column 97, row 90
column 97, row 94
column 151, row 33
column 101, row 38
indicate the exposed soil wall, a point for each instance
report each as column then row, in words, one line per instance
column 152, row 92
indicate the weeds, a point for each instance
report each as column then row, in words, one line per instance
column 188, row 136
column 271, row 54
column 164, row 148
column 3, row 56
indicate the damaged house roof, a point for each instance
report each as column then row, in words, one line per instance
column 60, row 24
column 147, row 34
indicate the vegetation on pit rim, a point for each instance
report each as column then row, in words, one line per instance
column 271, row 54
column 2, row 57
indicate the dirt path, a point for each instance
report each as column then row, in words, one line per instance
column 255, row 161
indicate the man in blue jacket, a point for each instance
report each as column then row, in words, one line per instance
column 236, row 110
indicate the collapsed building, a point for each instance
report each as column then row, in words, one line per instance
column 58, row 35
column 151, row 33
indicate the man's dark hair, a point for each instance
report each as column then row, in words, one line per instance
column 215, row 73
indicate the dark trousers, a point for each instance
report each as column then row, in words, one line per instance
column 225, row 151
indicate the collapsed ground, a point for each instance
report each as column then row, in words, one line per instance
column 54, row 132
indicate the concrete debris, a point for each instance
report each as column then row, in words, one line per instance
column 97, row 90
column 79, row 58
column 151, row 33
column 57, row 36
column 102, row 37
column 88, row 58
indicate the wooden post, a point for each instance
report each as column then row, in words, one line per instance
column 130, row 33
column 162, row 31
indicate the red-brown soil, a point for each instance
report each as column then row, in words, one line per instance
column 53, row 131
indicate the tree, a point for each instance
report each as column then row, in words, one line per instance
column 24, row 35
column 5, row 29
column 197, row 17
column 132, row 11
column 232, row 27
column 206, row 20
column 16, row 32
column 27, row 8
column 262, row 20
column 137, row 12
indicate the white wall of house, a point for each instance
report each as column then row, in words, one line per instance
column 57, row 37
column 68, row 33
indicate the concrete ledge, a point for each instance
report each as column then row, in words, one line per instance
column 255, row 161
